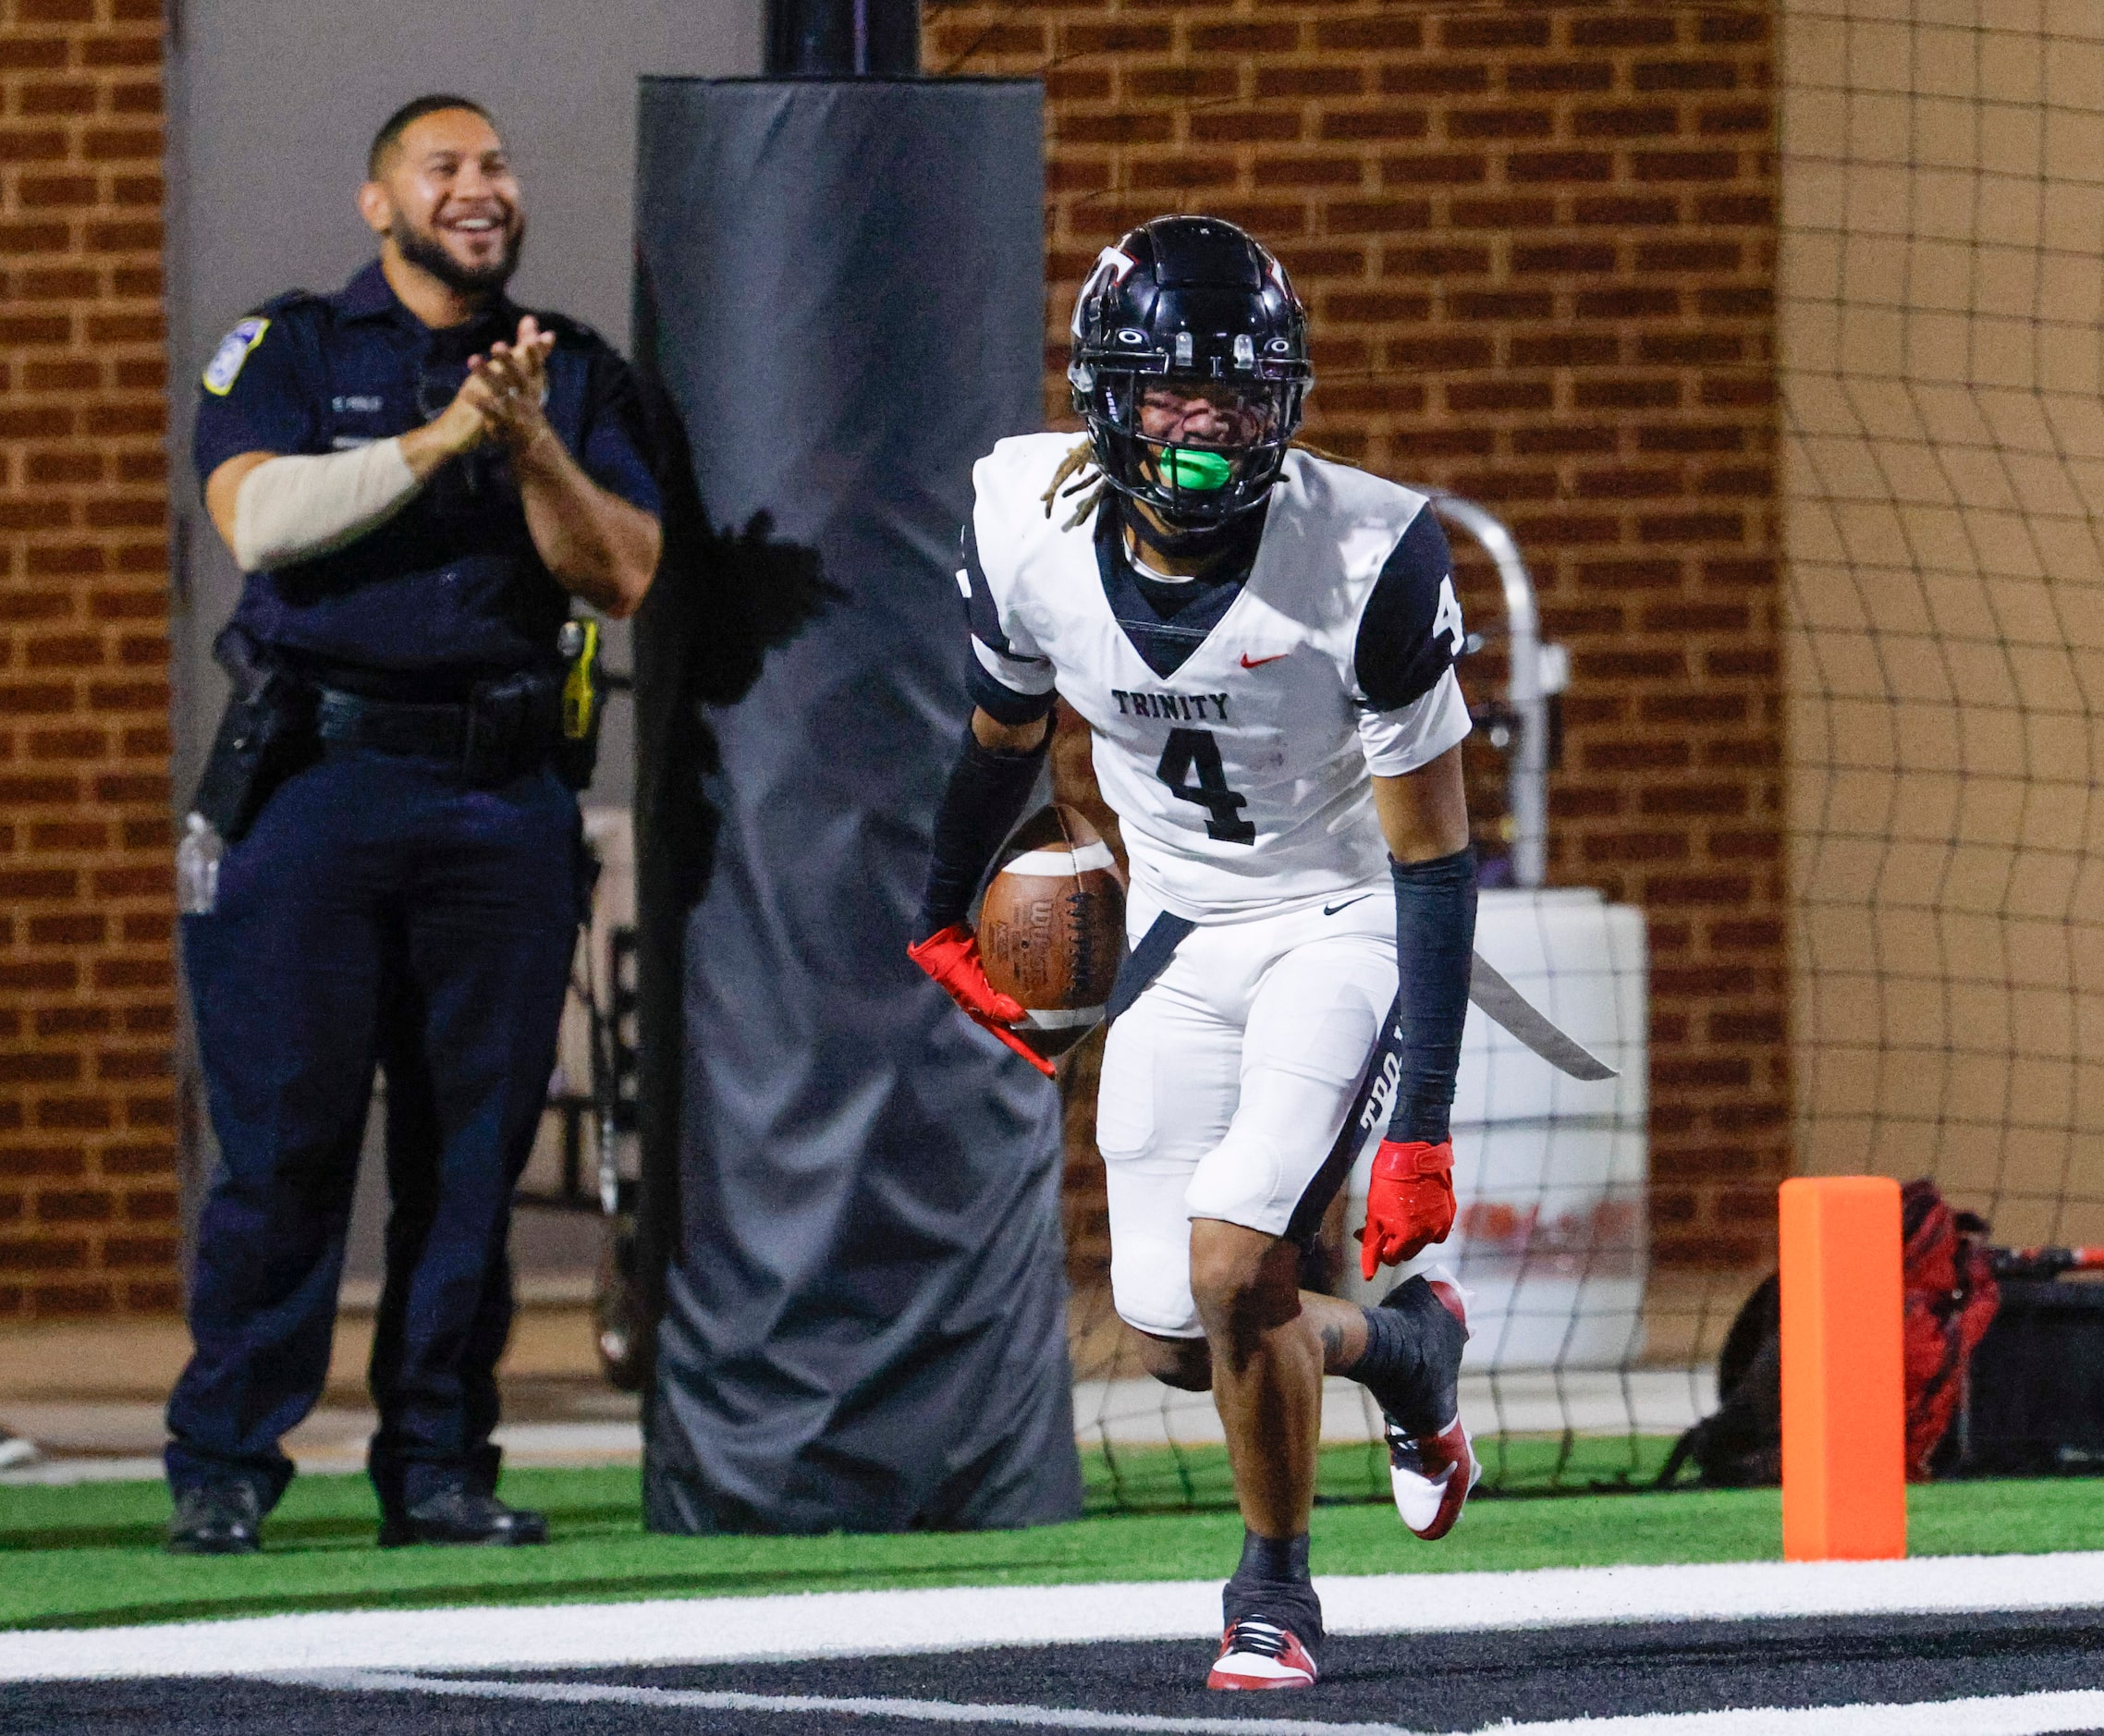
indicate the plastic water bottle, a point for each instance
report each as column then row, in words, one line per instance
column 197, row 866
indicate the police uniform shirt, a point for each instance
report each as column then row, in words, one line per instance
column 452, row 584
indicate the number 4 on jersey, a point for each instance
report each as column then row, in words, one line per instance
column 1447, row 619
column 1189, row 749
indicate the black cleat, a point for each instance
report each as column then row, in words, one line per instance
column 1432, row 1469
column 217, row 1519
column 459, row 1514
column 1272, row 1617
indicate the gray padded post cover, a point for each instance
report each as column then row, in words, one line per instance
column 864, row 1324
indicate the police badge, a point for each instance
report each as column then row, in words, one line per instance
column 224, row 367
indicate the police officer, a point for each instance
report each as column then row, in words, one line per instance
column 386, row 869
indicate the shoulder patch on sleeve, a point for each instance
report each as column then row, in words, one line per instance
column 224, row 367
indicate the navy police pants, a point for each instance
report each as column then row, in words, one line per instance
column 380, row 914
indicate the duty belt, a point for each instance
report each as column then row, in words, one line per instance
column 507, row 726
column 438, row 733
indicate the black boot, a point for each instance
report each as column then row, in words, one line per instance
column 217, row 1519
column 458, row 1512
column 1412, row 1360
column 1272, row 1617
column 1413, row 1368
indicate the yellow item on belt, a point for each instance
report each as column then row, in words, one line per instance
column 579, row 645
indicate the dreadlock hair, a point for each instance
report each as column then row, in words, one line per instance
column 1078, row 465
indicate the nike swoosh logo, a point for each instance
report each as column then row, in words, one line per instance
column 1248, row 663
column 1331, row 910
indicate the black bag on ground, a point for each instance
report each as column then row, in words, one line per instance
column 2036, row 1405
column 1739, row 1445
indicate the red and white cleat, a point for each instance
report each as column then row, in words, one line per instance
column 1259, row 1654
column 1432, row 1477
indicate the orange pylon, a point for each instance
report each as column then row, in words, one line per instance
column 1844, row 1490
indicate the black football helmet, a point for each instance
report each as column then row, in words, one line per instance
column 1190, row 300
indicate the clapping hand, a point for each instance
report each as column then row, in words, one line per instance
column 513, row 382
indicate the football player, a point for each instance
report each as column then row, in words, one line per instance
column 1261, row 641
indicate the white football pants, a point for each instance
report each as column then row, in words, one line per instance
column 1224, row 1087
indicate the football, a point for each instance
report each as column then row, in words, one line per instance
column 1052, row 927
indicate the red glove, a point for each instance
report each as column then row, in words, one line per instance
column 1409, row 1203
column 951, row 956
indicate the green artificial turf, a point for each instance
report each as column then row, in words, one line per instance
column 90, row 1554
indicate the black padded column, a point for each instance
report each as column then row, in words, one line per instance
column 841, row 291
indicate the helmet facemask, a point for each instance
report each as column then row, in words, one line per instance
column 1197, row 449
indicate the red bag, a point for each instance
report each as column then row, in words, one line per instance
column 1950, row 1300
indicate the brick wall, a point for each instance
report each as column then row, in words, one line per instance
column 87, row 1010
column 1537, row 241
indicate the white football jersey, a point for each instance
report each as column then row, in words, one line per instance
column 1234, row 740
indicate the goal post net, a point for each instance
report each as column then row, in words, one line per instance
column 1941, row 281
column 1774, row 331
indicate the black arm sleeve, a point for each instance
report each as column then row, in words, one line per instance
column 1404, row 644
column 1435, row 946
column 1002, row 703
column 980, row 806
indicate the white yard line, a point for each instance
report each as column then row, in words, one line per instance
column 1997, row 1715
column 2003, row 1715
column 336, row 1445
column 824, row 1624
column 57, row 1473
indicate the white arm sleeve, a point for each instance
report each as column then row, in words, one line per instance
column 1398, row 743
column 294, row 508
column 1006, row 655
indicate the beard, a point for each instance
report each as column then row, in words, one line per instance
column 422, row 248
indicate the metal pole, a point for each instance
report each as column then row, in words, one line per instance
column 1527, row 787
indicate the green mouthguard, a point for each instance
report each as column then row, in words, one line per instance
column 1200, row 472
